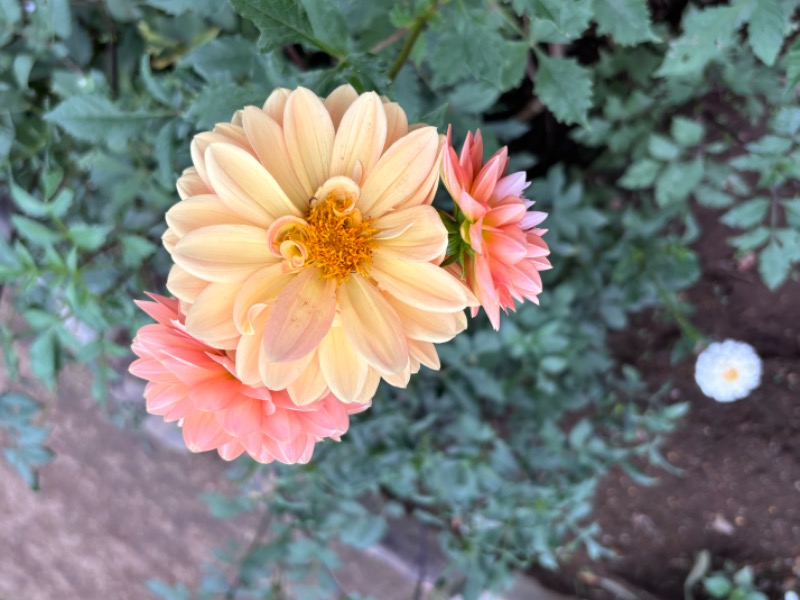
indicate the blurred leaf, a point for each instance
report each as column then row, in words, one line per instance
column 746, row 214
column 706, row 35
column 564, row 87
column 627, row 21
column 88, row 237
column 774, row 264
column 768, row 25
column 35, row 232
column 556, row 20
column 717, row 586
column 662, row 148
column 640, row 174
column 222, row 59
column 686, row 132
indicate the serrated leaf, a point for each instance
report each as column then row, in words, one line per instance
column 767, row 27
column 686, row 132
column 677, row 181
column 93, row 118
column 750, row 240
column 662, row 148
column 774, row 264
column 35, row 232
column 280, row 22
column 88, row 237
column 627, row 21
column 471, row 45
column 564, row 87
column 222, row 59
column 217, row 103
column 556, row 20
column 746, row 214
column 706, row 35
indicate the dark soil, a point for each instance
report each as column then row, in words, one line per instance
column 739, row 494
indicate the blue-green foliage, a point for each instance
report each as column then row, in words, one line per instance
column 502, row 450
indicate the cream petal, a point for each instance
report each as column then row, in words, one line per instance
column 400, row 172
column 420, row 284
column 200, row 211
column 266, row 137
column 396, row 123
column 183, row 285
column 309, row 136
column 190, row 184
column 424, row 353
column 245, row 186
column 428, row 326
column 224, row 253
column 169, row 239
column 248, row 352
column 302, row 315
column 425, row 239
column 427, row 189
column 310, row 386
column 367, row 393
column 210, row 317
column 371, row 325
column 200, row 144
column 338, row 101
column 276, row 104
column 399, row 379
column 360, row 137
column 260, row 288
column 343, row 368
column 279, row 376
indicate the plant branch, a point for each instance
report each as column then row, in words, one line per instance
column 258, row 537
column 416, row 30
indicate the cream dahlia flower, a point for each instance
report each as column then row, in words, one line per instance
column 305, row 241
column 728, row 371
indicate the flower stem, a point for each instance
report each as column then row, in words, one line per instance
column 689, row 330
column 412, row 38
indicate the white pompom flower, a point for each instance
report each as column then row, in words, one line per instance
column 728, row 371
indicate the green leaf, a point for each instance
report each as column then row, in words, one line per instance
column 23, row 63
column 35, row 232
column 44, row 358
column 135, row 249
column 793, row 66
column 685, row 132
column 93, row 118
column 768, row 25
column 217, row 103
column 627, row 21
column 27, row 203
column 472, row 45
column 88, row 237
column 774, row 264
column 707, row 34
column 222, row 59
column 746, row 214
column 640, row 174
column 280, row 22
column 744, row 577
column 556, row 20
column 364, row 531
column 677, row 181
column 717, row 586
column 564, row 87
column 750, row 240
column 662, row 148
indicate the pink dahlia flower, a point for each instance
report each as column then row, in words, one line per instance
column 195, row 384
column 503, row 249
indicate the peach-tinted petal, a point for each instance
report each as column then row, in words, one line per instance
column 425, row 353
column 190, row 184
column 202, row 432
column 242, row 418
column 338, row 101
column 266, row 137
column 309, row 137
column 214, row 394
column 284, row 426
column 310, row 386
column 301, row 316
column 396, row 123
column 211, row 316
column 428, row 326
column 360, row 137
column 224, row 253
column 400, row 172
column 276, row 104
column 245, row 186
column 184, row 285
column 248, row 352
column 280, row 375
column 371, row 325
column 424, row 239
column 344, row 370
column 200, row 211
column 260, row 288
column 419, row 284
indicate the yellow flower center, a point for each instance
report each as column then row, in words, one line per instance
column 730, row 374
column 333, row 237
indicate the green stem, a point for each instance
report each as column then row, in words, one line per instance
column 686, row 326
column 412, row 38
